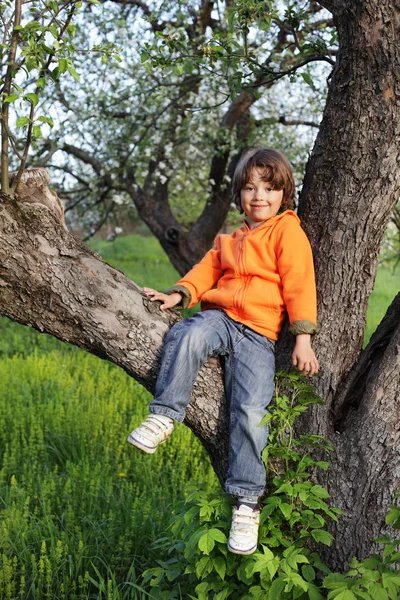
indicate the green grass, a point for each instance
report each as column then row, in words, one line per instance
column 387, row 285
column 79, row 507
column 140, row 258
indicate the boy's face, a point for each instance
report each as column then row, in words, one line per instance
column 260, row 201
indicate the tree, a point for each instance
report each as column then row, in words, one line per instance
column 162, row 131
column 51, row 281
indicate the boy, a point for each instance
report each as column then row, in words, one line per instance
column 247, row 284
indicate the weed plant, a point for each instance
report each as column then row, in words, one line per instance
column 197, row 565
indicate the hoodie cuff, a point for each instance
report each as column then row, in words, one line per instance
column 300, row 327
column 186, row 295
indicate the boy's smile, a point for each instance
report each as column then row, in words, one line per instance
column 260, row 201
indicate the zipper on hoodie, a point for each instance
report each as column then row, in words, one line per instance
column 242, row 272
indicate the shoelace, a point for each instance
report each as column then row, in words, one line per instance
column 244, row 523
column 153, row 425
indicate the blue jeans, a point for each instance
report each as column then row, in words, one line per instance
column 249, row 385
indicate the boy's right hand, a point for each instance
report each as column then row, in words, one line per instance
column 167, row 300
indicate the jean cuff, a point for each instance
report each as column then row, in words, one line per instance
column 235, row 491
column 162, row 410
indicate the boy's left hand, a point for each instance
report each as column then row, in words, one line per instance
column 303, row 357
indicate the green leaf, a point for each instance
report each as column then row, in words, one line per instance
column 335, row 581
column 319, row 491
column 345, row 595
column 296, row 579
column 31, row 63
column 314, row 593
column 208, row 539
column 41, row 83
column 276, row 589
column 219, row 535
column 223, row 594
column 47, row 120
column 63, row 65
column 307, row 79
column 385, row 539
column 390, row 578
column 377, row 592
column 53, row 30
column 73, row 73
column 275, row 500
column 372, row 562
column 55, row 73
column 393, row 515
column 36, row 131
column 22, row 121
column 231, row 19
column 10, row 98
column 308, row 572
column 286, row 488
column 203, row 567
column 286, row 509
column 220, row 566
column 322, row 536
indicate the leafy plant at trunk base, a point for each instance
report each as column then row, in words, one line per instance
column 197, row 564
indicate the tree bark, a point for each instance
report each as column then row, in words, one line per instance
column 350, row 189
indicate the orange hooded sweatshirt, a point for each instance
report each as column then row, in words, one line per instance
column 257, row 276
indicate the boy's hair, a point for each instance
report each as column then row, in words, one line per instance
column 276, row 171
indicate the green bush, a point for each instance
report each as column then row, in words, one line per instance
column 197, row 564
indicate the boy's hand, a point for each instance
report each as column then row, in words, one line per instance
column 167, row 300
column 303, row 357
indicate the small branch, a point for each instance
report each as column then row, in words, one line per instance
column 281, row 74
column 70, row 172
column 11, row 139
column 284, row 121
column 32, row 110
column 5, row 184
column 87, row 158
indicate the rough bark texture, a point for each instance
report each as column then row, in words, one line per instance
column 350, row 188
column 51, row 281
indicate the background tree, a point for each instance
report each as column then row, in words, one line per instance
column 49, row 280
column 162, row 130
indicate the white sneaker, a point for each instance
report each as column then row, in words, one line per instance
column 244, row 530
column 151, row 433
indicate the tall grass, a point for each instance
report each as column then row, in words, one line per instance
column 79, row 507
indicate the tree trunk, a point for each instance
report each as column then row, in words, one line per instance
column 350, row 188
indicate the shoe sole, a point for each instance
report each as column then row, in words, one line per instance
column 147, row 449
column 243, row 552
